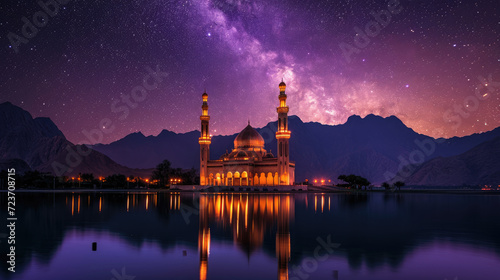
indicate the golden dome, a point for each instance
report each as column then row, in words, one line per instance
column 248, row 138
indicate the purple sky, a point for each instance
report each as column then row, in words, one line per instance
column 433, row 64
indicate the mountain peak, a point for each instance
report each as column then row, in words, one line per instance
column 137, row 134
column 7, row 103
column 15, row 118
column 373, row 118
column 353, row 118
column 377, row 117
column 12, row 109
column 295, row 118
column 166, row 132
column 394, row 118
column 48, row 126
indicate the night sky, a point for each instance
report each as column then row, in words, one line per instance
column 433, row 64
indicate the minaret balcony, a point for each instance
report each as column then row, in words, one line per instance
column 282, row 110
column 205, row 140
column 282, row 134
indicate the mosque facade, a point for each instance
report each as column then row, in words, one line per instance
column 248, row 164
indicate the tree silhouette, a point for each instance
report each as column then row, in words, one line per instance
column 116, row 181
column 87, row 177
column 355, row 181
column 399, row 184
column 162, row 173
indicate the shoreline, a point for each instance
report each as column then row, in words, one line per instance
column 146, row 191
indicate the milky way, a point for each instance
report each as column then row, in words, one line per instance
column 433, row 64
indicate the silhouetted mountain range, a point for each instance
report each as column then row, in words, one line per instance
column 478, row 166
column 421, row 219
column 37, row 144
column 373, row 147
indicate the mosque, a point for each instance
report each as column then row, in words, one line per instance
column 248, row 164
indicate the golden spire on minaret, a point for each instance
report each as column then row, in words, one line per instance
column 282, row 86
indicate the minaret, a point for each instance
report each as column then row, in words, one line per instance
column 204, row 237
column 283, row 135
column 204, row 141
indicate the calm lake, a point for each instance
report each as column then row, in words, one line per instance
column 92, row 235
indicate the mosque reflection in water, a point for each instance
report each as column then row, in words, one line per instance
column 186, row 235
column 248, row 216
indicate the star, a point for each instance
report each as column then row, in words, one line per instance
column 257, row 45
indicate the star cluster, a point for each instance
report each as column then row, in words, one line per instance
column 433, row 64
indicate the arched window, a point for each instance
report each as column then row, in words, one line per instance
column 217, row 178
column 229, row 179
column 244, row 178
column 270, row 179
column 262, row 179
column 237, row 179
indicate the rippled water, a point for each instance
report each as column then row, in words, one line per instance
column 254, row 236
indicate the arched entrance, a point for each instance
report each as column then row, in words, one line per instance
column 244, row 178
column 237, row 179
column 269, row 179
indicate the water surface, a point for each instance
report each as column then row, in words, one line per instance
column 254, row 236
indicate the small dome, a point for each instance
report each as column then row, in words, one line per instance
column 225, row 155
column 249, row 138
column 240, row 154
column 282, row 86
column 269, row 155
